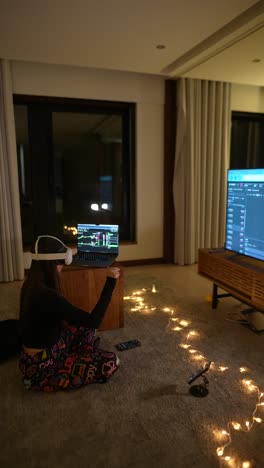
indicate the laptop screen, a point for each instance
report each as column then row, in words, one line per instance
column 102, row 238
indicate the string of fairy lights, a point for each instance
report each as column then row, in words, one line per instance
column 187, row 335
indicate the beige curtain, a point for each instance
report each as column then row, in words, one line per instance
column 201, row 163
column 11, row 250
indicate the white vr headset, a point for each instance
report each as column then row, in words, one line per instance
column 66, row 256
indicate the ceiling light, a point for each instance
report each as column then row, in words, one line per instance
column 256, row 60
column 160, row 46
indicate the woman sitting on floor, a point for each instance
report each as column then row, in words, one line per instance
column 60, row 350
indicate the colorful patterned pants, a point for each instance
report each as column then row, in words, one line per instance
column 74, row 361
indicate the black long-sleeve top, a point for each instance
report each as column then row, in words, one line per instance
column 41, row 325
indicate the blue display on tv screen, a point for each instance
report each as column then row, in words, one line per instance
column 245, row 212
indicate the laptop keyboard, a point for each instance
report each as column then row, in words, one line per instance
column 92, row 256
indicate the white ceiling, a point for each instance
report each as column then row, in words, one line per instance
column 205, row 39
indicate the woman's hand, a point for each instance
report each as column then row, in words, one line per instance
column 113, row 272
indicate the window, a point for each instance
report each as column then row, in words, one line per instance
column 247, row 140
column 76, row 165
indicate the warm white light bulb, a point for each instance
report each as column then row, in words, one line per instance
column 184, row 323
column 246, row 464
column 236, row 426
column 95, row 207
column 153, row 289
column 259, row 420
column 219, row 451
column 197, row 357
column 247, row 382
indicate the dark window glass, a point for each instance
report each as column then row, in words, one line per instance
column 247, row 140
column 24, row 172
column 76, row 165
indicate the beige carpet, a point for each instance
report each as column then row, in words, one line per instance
column 145, row 416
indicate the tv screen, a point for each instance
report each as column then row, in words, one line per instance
column 245, row 212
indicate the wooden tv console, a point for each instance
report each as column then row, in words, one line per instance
column 241, row 276
column 82, row 287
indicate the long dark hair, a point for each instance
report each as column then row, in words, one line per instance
column 42, row 273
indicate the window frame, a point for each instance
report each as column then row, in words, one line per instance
column 45, row 106
column 245, row 118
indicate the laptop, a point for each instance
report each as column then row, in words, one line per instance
column 97, row 245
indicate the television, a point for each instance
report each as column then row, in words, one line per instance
column 244, row 232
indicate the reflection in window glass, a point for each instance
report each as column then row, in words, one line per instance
column 88, row 166
column 24, row 173
column 76, row 165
